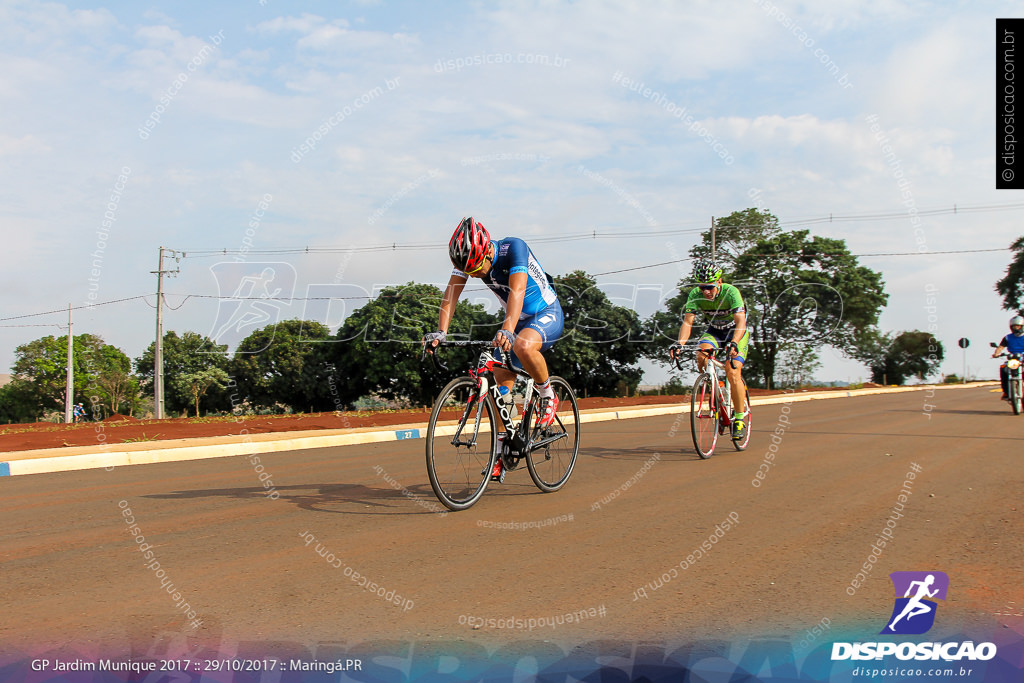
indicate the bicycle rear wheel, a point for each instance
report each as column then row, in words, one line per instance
column 551, row 463
column 742, row 443
column 703, row 417
column 459, row 472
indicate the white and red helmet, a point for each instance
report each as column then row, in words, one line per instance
column 469, row 245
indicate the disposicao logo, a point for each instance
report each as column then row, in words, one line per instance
column 913, row 613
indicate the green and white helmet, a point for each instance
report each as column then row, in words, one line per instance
column 706, row 272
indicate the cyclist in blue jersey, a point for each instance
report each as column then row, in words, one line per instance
column 533, row 317
column 1014, row 343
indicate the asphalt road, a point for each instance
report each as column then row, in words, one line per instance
column 618, row 550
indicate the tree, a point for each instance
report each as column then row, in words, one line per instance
column 1011, row 285
column 735, row 234
column 184, row 355
column 805, row 290
column 892, row 360
column 917, row 353
column 19, row 402
column 797, row 364
column 872, row 349
column 42, row 365
column 112, row 381
column 285, row 363
column 199, row 382
column 378, row 349
column 797, row 289
column 595, row 353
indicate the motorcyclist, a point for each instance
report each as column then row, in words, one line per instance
column 1011, row 343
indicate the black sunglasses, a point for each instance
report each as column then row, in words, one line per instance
column 706, row 288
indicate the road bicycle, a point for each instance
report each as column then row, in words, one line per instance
column 711, row 411
column 1014, row 382
column 470, row 420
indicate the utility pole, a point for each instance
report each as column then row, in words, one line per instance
column 712, row 239
column 158, row 348
column 69, row 387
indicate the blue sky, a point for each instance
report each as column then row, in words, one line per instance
column 515, row 112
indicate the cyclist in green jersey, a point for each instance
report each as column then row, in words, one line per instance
column 722, row 306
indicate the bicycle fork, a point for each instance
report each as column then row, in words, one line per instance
column 475, row 401
column 718, row 405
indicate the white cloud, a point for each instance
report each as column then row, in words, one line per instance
column 305, row 24
column 935, row 74
column 26, row 144
column 53, row 24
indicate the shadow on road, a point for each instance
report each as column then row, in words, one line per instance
column 333, row 498
column 910, row 435
column 1004, row 411
column 682, row 452
column 357, row 499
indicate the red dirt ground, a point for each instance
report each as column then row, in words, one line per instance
column 122, row 429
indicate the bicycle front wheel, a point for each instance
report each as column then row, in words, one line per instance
column 704, row 417
column 1015, row 397
column 460, row 456
column 741, row 444
column 553, row 456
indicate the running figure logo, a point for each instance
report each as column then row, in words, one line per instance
column 914, row 611
column 251, row 297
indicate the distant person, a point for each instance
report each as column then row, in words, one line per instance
column 1012, row 343
column 78, row 413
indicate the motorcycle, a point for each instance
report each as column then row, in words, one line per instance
column 1014, row 384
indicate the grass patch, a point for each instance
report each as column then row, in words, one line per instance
column 140, row 439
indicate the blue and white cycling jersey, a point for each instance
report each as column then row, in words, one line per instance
column 512, row 255
column 1013, row 343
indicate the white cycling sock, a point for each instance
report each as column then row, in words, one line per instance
column 545, row 390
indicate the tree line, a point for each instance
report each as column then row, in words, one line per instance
column 801, row 292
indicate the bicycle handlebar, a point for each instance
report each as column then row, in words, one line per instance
column 712, row 353
column 506, row 356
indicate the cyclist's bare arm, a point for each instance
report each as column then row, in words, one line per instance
column 452, row 293
column 514, row 307
column 685, row 328
column 740, row 318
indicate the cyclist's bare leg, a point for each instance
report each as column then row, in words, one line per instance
column 504, row 377
column 739, row 396
column 527, row 350
column 701, row 359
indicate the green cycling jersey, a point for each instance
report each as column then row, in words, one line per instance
column 718, row 311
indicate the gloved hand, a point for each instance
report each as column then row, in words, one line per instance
column 432, row 339
column 504, row 340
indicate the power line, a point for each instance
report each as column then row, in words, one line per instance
column 901, row 253
column 633, row 232
column 74, row 308
column 609, row 272
column 472, row 289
